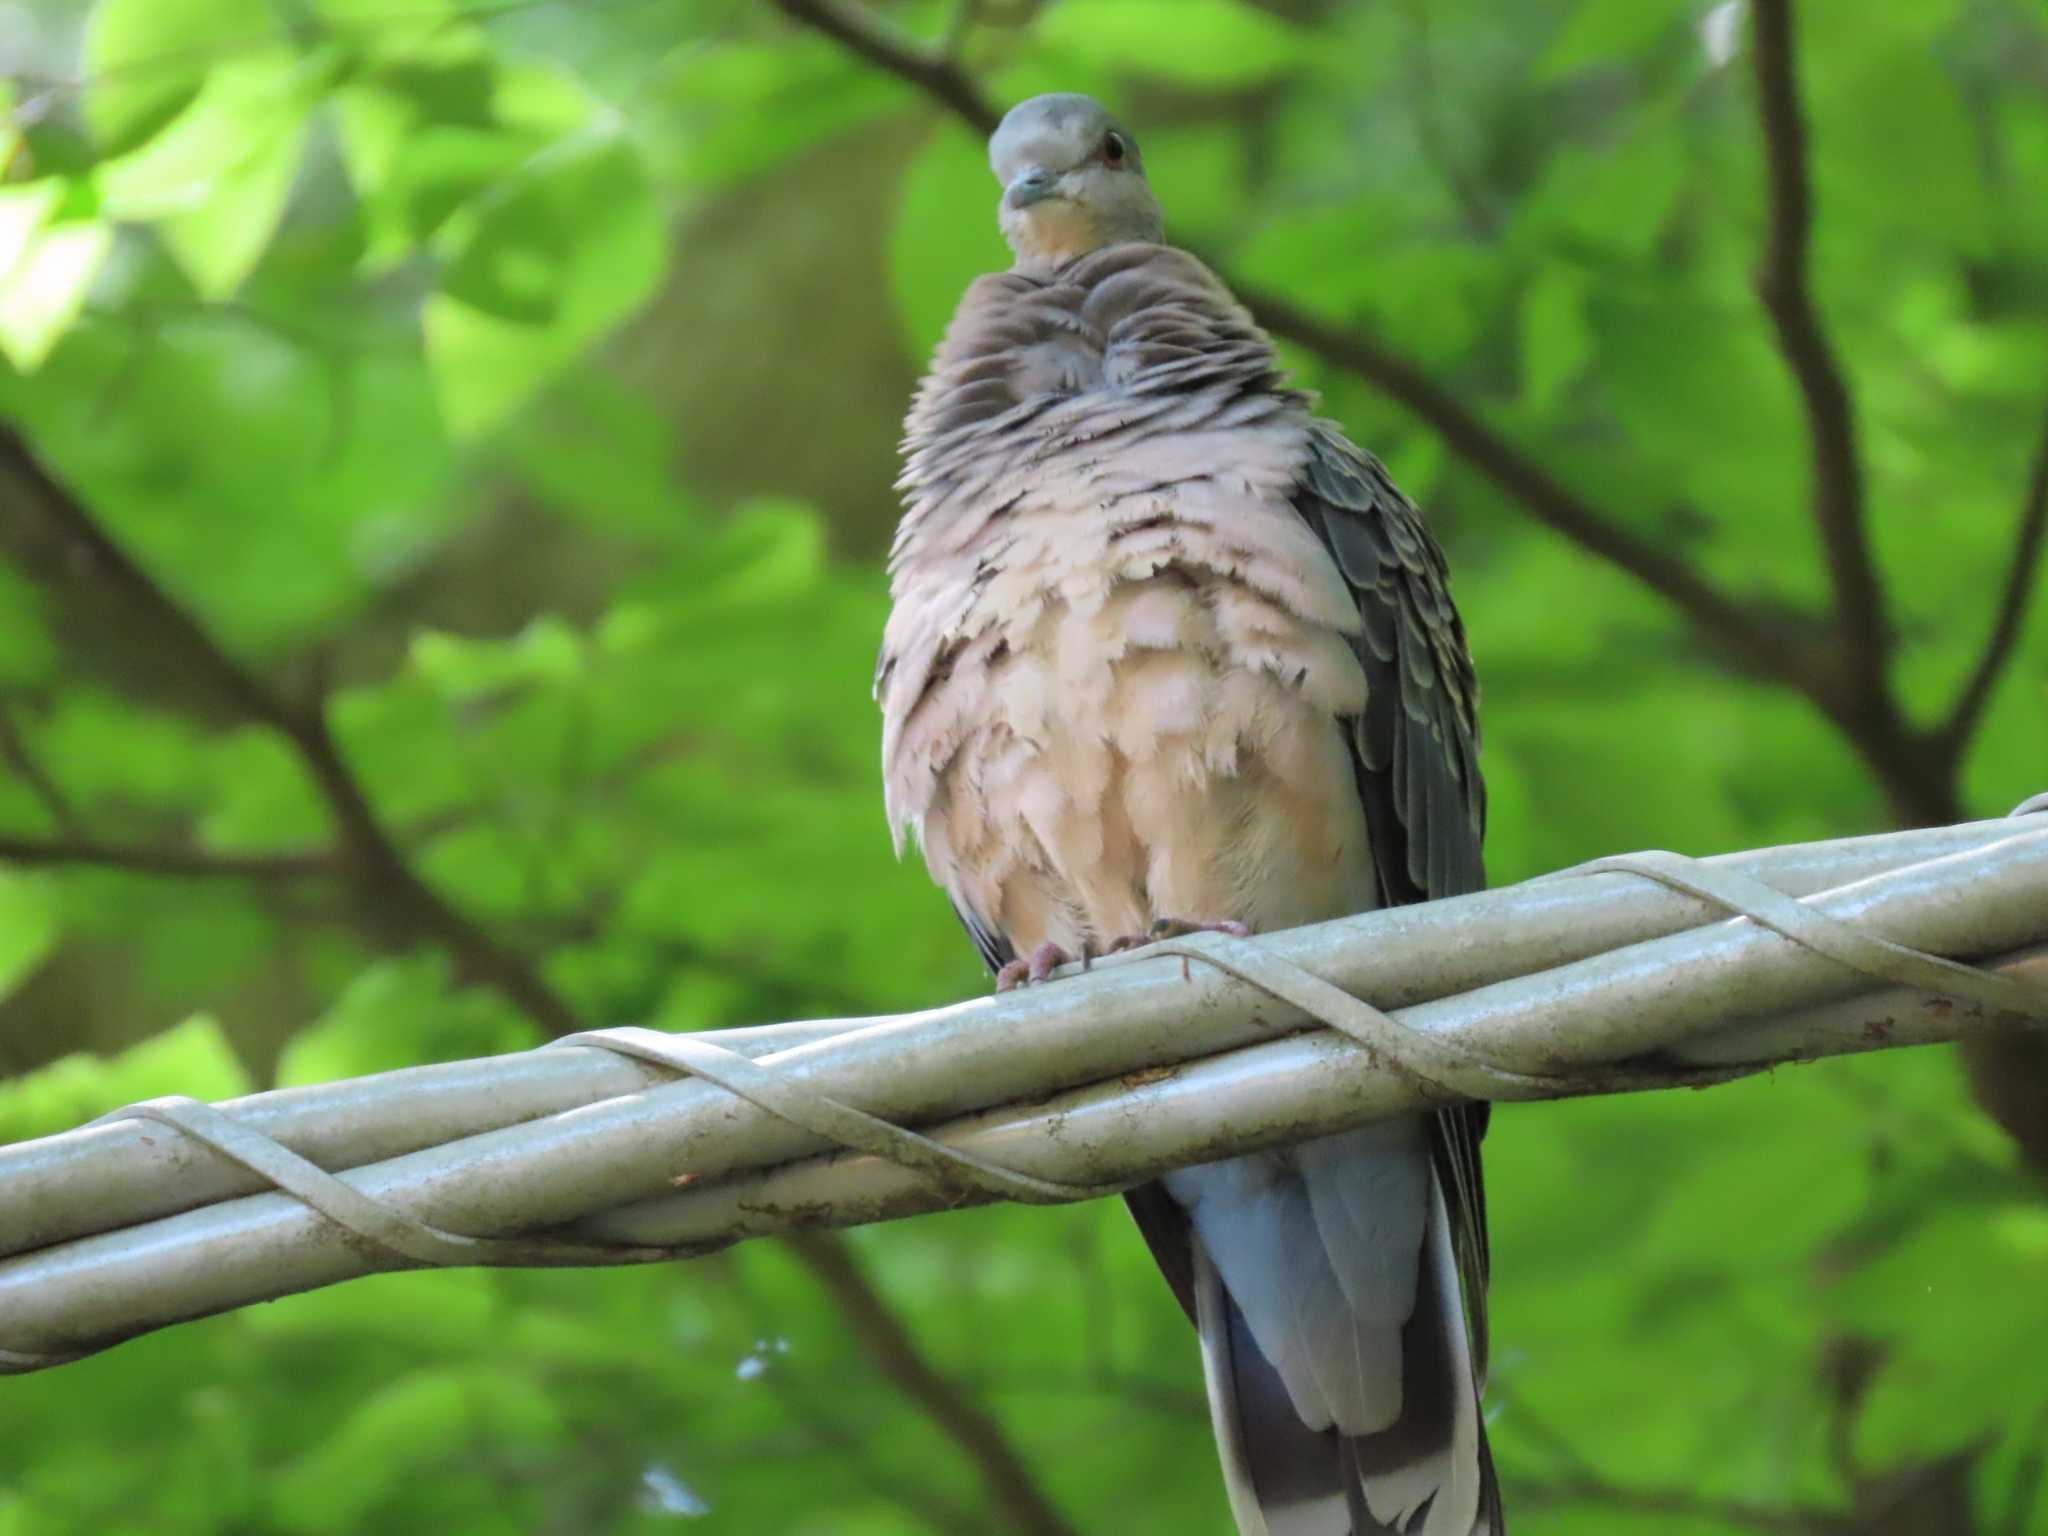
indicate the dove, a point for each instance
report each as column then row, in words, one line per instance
column 1167, row 652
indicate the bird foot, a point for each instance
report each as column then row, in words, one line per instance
column 1036, row 966
column 1049, row 957
column 1175, row 928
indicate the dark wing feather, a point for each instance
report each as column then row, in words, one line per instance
column 995, row 950
column 1415, row 750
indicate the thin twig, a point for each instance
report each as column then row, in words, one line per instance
column 40, row 515
column 894, row 52
column 1784, row 284
column 2020, row 579
column 895, row 1353
column 183, row 863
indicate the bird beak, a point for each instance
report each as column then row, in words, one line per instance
column 1033, row 184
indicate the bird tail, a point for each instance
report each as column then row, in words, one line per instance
column 1430, row 1473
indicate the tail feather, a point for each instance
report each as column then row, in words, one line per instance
column 1278, row 1473
column 1428, row 1471
column 1435, row 1457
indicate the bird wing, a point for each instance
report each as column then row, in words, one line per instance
column 1415, row 751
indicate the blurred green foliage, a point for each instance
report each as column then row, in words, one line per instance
column 520, row 381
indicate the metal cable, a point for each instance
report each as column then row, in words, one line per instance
column 1451, row 1068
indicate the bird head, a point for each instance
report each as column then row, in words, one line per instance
column 1073, row 181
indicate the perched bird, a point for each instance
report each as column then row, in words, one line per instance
column 1168, row 652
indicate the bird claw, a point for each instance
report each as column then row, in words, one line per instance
column 1049, row 957
column 1036, row 966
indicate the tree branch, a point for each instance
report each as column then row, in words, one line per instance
column 979, row 1436
column 1784, row 286
column 180, row 862
column 932, row 70
column 2020, row 579
column 58, row 540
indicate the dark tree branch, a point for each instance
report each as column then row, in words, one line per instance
column 979, row 1436
column 178, row 862
column 62, row 545
column 2020, row 579
column 1783, row 282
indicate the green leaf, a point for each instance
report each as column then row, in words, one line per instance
column 1197, row 42
column 421, row 28
column 1894, row 146
column 1607, row 32
column 11, row 136
column 744, row 107
column 422, row 136
column 1556, row 339
column 43, row 292
column 28, row 926
column 418, row 1419
column 23, row 212
column 218, row 173
column 1615, row 200
column 399, row 1013
column 936, row 245
column 1957, row 1300
column 147, row 58
column 194, row 1058
column 547, row 651
column 540, row 269
column 262, row 799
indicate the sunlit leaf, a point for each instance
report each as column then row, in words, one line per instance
column 23, row 212
column 193, row 1059
column 218, row 173
column 398, row 1013
column 43, row 292
column 147, row 58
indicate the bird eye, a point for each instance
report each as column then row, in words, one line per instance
column 1114, row 149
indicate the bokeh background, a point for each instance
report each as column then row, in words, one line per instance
column 445, row 458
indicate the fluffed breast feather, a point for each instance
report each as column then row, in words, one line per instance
column 1091, row 441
